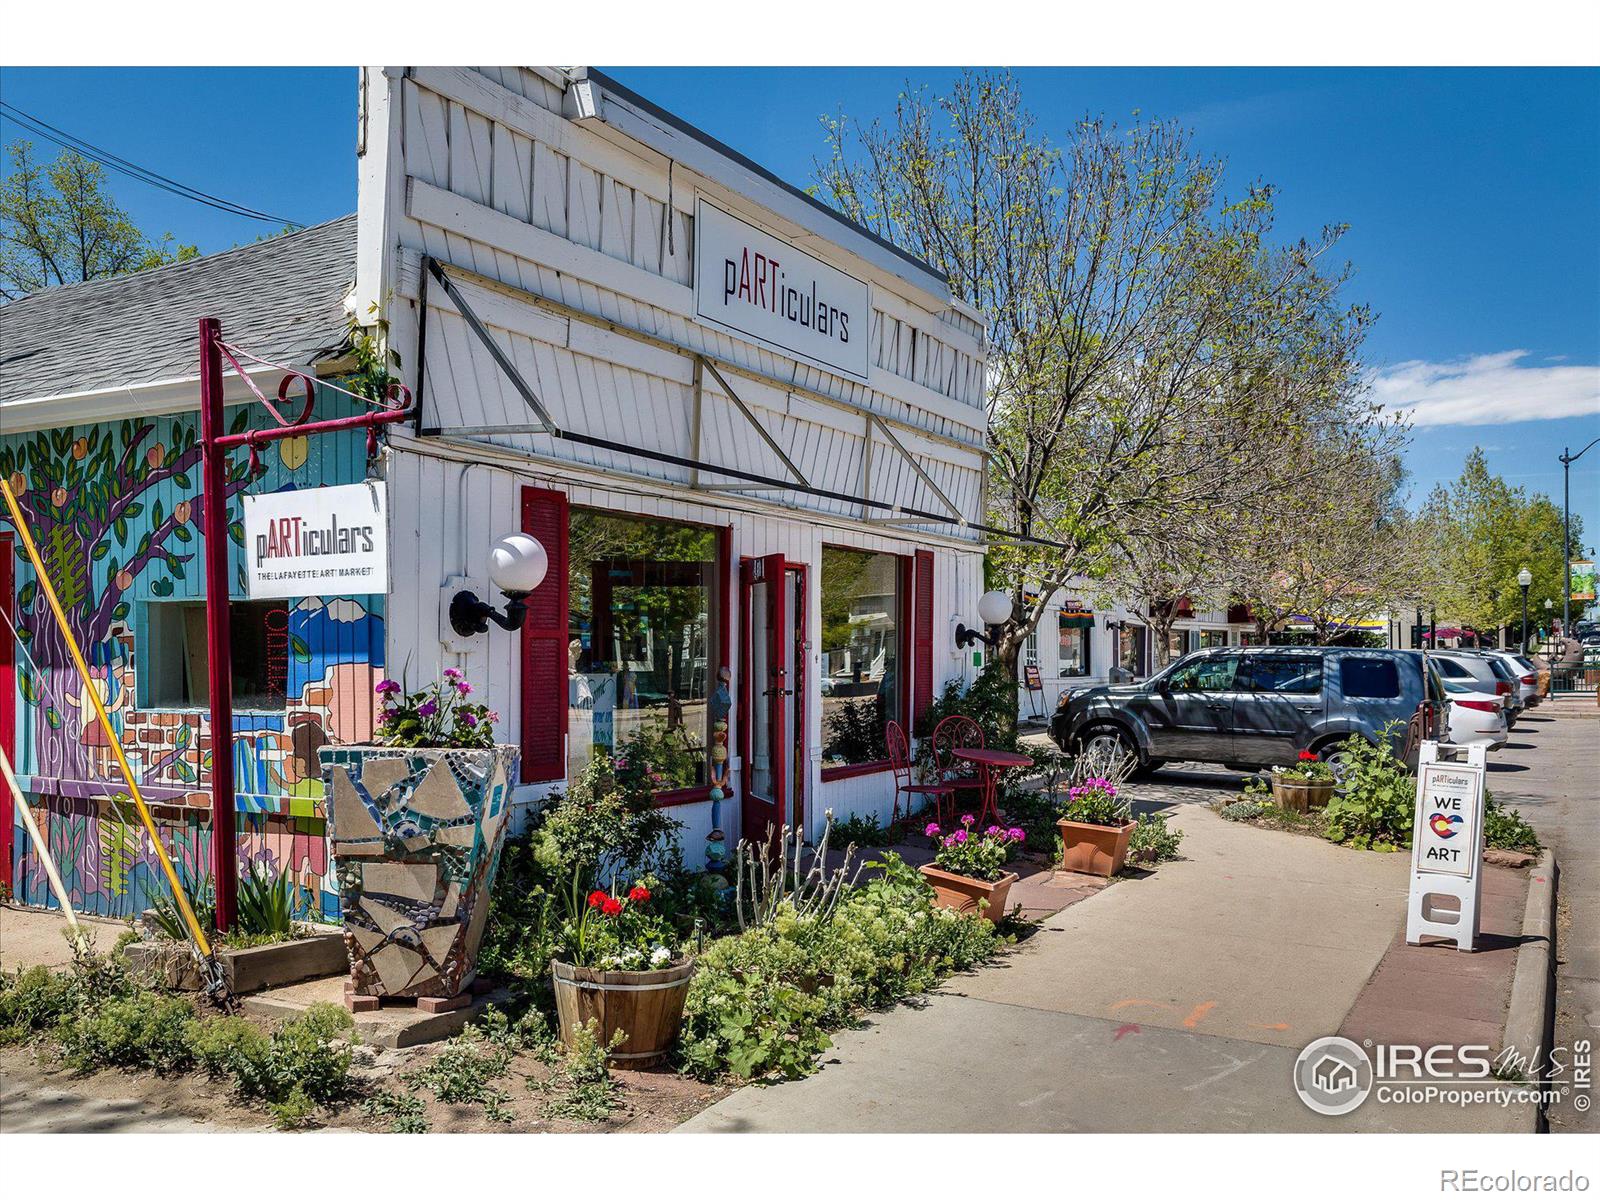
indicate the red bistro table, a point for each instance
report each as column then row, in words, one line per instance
column 991, row 765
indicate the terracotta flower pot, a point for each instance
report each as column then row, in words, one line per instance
column 1298, row 795
column 963, row 893
column 1094, row 849
column 645, row 1006
column 416, row 836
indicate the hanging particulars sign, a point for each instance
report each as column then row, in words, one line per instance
column 326, row 541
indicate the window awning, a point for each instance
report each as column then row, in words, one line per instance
column 1076, row 619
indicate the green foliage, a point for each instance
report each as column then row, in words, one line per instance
column 438, row 716
column 1374, row 808
column 1096, row 802
column 1152, row 841
column 33, row 1000
column 202, row 897
column 862, row 831
column 144, row 1030
column 763, row 1002
column 976, row 855
column 295, row 1111
column 580, row 1086
column 606, row 825
column 310, row 1052
column 465, row 1070
column 1242, row 810
column 59, row 225
column 524, row 916
column 403, row 1110
column 266, row 902
column 991, row 701
column 1504, row 828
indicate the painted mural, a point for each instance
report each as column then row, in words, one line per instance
column 116, row 512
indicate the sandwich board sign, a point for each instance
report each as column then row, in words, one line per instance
column 321, row 541
column 1447, row 845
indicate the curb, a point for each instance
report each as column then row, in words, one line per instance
column 1529, row 1012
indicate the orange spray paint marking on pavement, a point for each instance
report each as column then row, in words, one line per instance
column 1279, row 1027
column 1149, row 1003
column 1199, row 1014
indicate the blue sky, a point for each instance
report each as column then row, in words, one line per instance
column 1471, row 196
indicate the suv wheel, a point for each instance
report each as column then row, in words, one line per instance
column 1110, row 742
column 1338, row 760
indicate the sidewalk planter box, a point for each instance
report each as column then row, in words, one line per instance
column 962, row 892
column 1093, row 849
column 247, row 969
column 416, row 837
column 646, row 1006
column 1300, row 796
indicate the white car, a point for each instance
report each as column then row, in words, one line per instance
column 1527, row 675
column 1475, row 717
column 1478, row 672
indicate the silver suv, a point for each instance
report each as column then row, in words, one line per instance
column 1255, row 706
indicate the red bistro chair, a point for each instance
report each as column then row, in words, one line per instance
column 900, row 764
column 949, row 735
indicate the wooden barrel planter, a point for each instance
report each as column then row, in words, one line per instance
column 646, row 1006
column 1300, row 796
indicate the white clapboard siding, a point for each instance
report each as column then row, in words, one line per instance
column 444, row 514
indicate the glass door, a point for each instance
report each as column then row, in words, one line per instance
column 767, row 651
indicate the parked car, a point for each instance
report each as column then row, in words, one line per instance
column 1254, row 706
column 1525, row 673
column 1475, row 717
column 1470, row 665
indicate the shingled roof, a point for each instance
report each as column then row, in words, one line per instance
column 282, row 299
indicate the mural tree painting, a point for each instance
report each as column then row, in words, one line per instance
column 101, row 504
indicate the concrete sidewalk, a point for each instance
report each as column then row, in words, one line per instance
column 1173, row 1003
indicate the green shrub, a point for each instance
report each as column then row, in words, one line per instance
column 227, row 1046
column 1151, row 840
column 1504, row 828
column 991, row 701
column 145, row 1030
column 295, row 1111
column 762, row 1002
column 266, row 903
column 1241, row 810
column 464, row 1070
column 32, row 1000
column 310, row 1052
column 403, row 1110
column 863, row 831
column 1374, row 810
column 581, row 1085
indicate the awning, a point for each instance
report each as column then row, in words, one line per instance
column 1079, row 619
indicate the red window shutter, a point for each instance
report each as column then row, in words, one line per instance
column 922, row 637
column 544, row 643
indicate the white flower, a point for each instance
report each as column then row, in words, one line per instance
column 660, row 956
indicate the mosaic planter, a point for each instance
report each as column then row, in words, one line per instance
column 416, row 837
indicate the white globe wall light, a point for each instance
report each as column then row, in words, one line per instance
column 994, row 608
column 517, row 565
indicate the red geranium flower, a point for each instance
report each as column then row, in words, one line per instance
column 597, row 898
column 638, row 894
column 611, row 907
column 1307, row 756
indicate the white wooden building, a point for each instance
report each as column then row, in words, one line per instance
column 748, row 432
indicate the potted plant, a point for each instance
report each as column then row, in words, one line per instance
column 968, row 872
column 620, row 968
column 1095, row 827
column 1306, row 785
column 417, row 820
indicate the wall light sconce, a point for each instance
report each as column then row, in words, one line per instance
column 517, row 565
column 994, row 608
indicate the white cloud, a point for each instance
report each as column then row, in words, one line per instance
column 1487, row 389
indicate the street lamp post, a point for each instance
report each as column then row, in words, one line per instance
column 1567, row 459
column 1524, row 581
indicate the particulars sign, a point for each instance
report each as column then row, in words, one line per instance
column 752, row 283
column 328, row 541
column 1444, row 838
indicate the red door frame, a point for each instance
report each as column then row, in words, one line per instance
column 8, row 700
column 781, row 602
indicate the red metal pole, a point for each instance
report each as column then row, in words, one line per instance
column 214, row 501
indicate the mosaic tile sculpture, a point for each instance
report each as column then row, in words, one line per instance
column 416, row 841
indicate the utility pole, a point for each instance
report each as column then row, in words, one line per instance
column 1567, row 459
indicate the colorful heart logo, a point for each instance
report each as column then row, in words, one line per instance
column 1443, row 826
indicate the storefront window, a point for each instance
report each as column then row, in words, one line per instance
column 642, row 651
column 860, row 654
column 1213, row 637
column 1177, row 644
column 1074, row 644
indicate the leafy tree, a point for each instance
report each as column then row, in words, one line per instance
column 59, row 224
column 1156, row 359
column 1480, row 532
